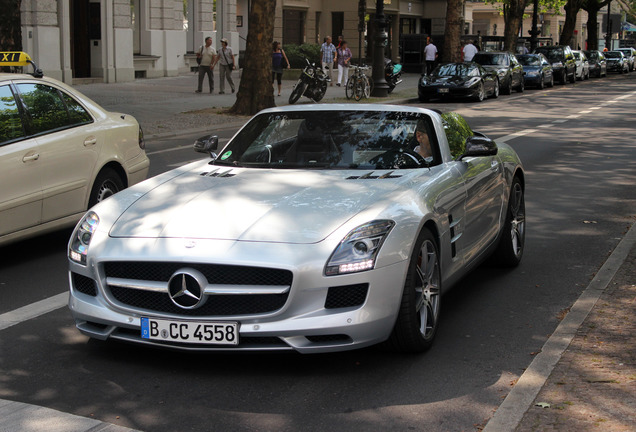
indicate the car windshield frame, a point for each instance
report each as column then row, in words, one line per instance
column 529, row 60
column 456, row 69
column 613, row 55
column 331, row 139
column 497, row 59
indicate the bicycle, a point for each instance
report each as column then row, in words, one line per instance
column 359, row 85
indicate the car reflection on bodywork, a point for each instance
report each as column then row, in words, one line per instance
column 463, row 80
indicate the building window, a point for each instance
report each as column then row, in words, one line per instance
column 407, row 25
column 293, row 26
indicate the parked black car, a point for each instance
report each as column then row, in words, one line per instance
column 562, row 60
column 538, row 70
column 508, row 69
column 616, row 62
column 598, row 65
column 468, row 80
column 630, row 55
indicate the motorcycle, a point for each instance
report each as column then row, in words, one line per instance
column 392, row 74
column 312, row 83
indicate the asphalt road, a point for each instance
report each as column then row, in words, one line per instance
column 577, row 144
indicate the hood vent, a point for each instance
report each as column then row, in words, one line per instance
column 370, row 175
column 218, row 173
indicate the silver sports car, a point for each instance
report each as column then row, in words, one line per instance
column 316, row 228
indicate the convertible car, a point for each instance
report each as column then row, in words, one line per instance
column 315, row 229
column 466, row 80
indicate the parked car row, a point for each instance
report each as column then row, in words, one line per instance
column 492, row 73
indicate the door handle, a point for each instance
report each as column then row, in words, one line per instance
column 32, row 157
column 90, row 141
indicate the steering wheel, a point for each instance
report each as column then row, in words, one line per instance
column 398, row 159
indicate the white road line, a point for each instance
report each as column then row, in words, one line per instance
column 515, row 135
column 585, row 112
column 595, row 108
column 559, row 121
column 623, row 97
column 33, row 310
column 548, row 125
column 511, row 411
column 573, row 116
column 612, row 101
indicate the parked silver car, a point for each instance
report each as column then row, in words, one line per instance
column 582, row 65
column 317, row 228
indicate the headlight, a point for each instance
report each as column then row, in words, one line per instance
column 82, row 236
column 358, row 250
column 557, row 65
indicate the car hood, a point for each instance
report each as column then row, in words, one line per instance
column 288, row 206
column 531, row 68
column 448, row 80
column 495, row 68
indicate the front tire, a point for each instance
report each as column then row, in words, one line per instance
column 418, row 317
column 495, row 92
column 107, row 184
column 551, row 83
column 297, row 92
column 481, row 93
column 512, row 241
column 522, row 85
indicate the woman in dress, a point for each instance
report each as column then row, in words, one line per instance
column 277, row 64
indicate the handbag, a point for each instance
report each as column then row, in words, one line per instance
column 225, row 57
column 199, row 57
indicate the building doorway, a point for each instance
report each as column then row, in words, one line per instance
column 85, row 23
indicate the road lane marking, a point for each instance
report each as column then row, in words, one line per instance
column 515, row 135
column 624, row 96
column 585, row 112
column 573, row 116
column 595, row 108
column 33, row 310
column 511, row 411
column 559, row 121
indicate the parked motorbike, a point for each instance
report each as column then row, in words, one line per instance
column 392, row 74
column 312, row 83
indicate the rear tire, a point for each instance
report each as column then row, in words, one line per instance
column 418, row 317
column 573, row 79
column 507, row 89
column 107, row 184
column 551, row 83
column 512, row 241
column 541, row 82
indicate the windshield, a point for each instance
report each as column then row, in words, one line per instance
column 334, row 140
column 613, row 54
column 554, row 55
column 528, row 60
column 626, row 52
column 577, row 55
column 456, row 69
column 491, row 59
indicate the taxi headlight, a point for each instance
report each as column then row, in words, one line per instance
column 358, row 250
column 82, row 236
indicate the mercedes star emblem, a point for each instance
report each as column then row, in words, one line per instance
column 186, row 288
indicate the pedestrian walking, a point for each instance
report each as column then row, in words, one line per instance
column 207, row 54
column 278, row 55
column 430, row 56
column 329, row 55
column 225, row 59
column 469, row 51
column 344, row 60
column 339, row 43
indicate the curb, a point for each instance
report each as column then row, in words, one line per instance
column 510, row 413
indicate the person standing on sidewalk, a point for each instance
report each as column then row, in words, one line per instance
column 344, row 60
column 469, row 51
column 430, row 55
column 277, row 64
column 207, row 54
column 328, row 53
column 225, row 58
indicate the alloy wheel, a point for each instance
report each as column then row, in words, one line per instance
column 427, row 289
column 517, row 219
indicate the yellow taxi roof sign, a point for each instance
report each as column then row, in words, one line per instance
column 14, row 58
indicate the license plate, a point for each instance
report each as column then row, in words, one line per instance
column 195, row 332
column 442, row 90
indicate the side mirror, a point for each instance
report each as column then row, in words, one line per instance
column 206, row 144
column 479, row 145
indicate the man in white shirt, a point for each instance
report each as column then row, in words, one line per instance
column 207, row 54
column 469, row 51
column 430, row 55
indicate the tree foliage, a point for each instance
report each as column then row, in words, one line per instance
column 255, row 91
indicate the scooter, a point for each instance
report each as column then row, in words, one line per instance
column 312, row 83
column 392, row 74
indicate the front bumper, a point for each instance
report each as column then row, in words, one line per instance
column 303, row 323
column 445, row 92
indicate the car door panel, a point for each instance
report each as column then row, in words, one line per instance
column 484, row 188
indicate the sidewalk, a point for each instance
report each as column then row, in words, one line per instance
column 169, row 106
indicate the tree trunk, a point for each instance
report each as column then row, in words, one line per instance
column 513, row 16
column 10, row 26
column 592, row 7
column 256, row 92
column 572, row 8
column 453, row 30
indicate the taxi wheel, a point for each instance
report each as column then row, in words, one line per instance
column 106, row 184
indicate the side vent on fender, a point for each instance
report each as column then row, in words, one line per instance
column 455, row 234
column 370, row 175
column 218, row 173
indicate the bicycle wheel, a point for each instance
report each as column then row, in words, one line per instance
column 366, row 87
column 359, row 89
column 370, row 80
column 350, row 87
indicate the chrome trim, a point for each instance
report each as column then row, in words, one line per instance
column 210, row 289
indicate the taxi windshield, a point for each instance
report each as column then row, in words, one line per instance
column 332, row 140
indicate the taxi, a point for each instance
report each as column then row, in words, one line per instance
column 60, row 152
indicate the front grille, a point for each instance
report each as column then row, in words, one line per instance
column 215, row 273
column 216, row 305
column 84, row 284
column 346, row 296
